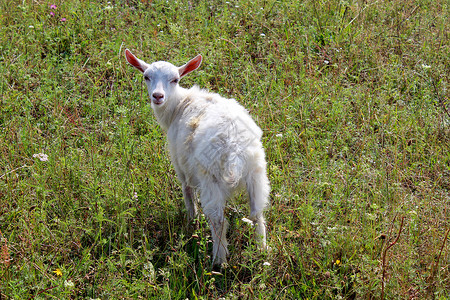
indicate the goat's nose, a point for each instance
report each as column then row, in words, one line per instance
column 158, row 96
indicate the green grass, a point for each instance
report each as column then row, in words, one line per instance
column 352, row 97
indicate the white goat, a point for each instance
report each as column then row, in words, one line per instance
column 214, row 144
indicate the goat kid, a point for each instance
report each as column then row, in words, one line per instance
column 214, row 144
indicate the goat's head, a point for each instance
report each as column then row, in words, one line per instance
column 162, row 77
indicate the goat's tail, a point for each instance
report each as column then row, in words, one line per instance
column 233, row 170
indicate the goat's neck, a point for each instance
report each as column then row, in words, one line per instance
column 173, row 107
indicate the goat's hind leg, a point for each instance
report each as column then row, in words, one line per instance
column 219, row 226
column 213, row 200
column 258, row 192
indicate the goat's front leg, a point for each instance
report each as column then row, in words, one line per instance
column 189, row 201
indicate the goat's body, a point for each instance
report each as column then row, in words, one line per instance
column 216, row 149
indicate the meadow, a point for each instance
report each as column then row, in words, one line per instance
column 353, row 100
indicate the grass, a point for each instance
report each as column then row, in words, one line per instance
column 352, row 97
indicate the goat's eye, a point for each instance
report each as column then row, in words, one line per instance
column 175, row 81
column 146, row 78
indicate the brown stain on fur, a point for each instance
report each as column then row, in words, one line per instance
column 193, row 124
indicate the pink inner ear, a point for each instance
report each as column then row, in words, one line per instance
column 190, row 66
column 132, row 60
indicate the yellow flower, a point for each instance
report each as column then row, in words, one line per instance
column 58, row 272
column 338, row 262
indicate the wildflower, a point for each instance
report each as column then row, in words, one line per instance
column 69, row 283
column 266, row 263
column 371, row 217
column 53, row 6
column 58, row 272
column 248, row 221
column 280, row 135
column 337, row 262
column 425, row 66
column 31, row 26
column 262, row 35
column 135, row 196
column 52, row 14
column 63, row 19
column 41, row 156
column 213, row 273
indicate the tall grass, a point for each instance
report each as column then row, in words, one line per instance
column 352, row 97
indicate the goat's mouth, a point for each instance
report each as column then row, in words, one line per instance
column 158, row 101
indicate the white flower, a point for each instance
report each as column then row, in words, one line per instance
column 266, row 263
column 280, row 135
column 69, row 283
column 425, row 66
column 31, row 26
column 262, row 35
column 41, row 156
column 248, row 221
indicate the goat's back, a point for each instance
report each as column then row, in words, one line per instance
column 213, row 138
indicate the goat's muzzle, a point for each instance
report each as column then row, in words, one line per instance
column 158, row 98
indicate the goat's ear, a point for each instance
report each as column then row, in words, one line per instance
column 135, row 62
column 190, row 66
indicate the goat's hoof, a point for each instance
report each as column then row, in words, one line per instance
column 219, row 267
column 265, row 248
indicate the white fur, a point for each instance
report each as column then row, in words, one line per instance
column 215, row 147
